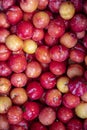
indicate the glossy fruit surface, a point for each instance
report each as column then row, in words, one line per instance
column 43, row 65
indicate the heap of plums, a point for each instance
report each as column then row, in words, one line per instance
column 43, row 64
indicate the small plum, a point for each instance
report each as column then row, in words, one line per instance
column 77, row 55
column 78, row 23
column 14, row 115
column 57, row 68
column 62, row 84
column 18, row 80
column 5, row 103
column 18, row 96
column 14, row 43
column 70, row 100
column 17, row 63
column 33, row 69
column 41, row 19
column 68, row 39
column 29, row 5
column 42, row 54
column 65, row 114
column 67, row 10
column 47, row 116
column 48, row 80
column 24, row 30
column 14, row 15
column 77, row 86
column 30, row 110
column 75, row 70
column 38, row 34
column 34, row 90
column 53, row 98
column 29, row 46
column 5, row 85
column 81, row 110
column 56, row 28
column 59, row 53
